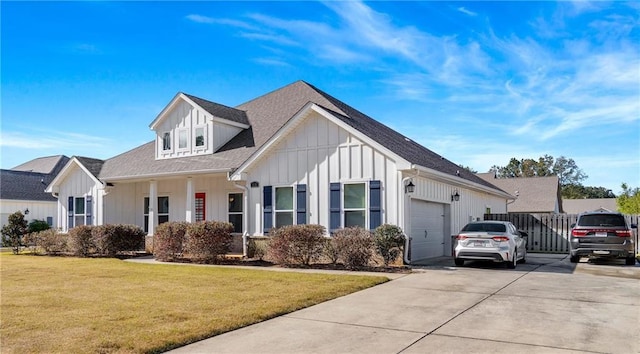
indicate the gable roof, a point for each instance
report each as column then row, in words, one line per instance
column 28, row 181
column 534, row 194
column 90, row 166
column 219, row 110
column 266, row 115
column 577, row 206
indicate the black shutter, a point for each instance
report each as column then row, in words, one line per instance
column 301, row 204
column 70, row 213
column 334, row 207
column 375, row 204
column 267, row 205
column 89, row 210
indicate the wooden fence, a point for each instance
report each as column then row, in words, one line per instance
column 549, row 233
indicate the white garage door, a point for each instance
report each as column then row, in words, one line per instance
column 427, row 230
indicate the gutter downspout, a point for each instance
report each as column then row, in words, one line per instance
column 245, row 221
column 407, row 239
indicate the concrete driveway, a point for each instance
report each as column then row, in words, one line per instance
column 545, row 306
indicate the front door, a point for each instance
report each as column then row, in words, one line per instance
column 200, row 207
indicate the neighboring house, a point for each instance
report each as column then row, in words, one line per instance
column 577, row 206
column 22, row 188
column 293, row 156
column 535, row 195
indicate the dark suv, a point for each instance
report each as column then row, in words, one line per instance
column 602, row 234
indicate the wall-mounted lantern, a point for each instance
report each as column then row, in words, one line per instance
column 455, row 196
column 409, row 187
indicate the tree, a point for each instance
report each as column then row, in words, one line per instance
column 629, row 200
column 578, row 191
column 467, row 168
column 566, row 169
column 12, row 232
column 37, row 226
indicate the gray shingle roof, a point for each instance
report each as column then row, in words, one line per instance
column 577, row 206
column 221, row 111
column 93, row 165
column 21, row 183
column 266, row 115
column 535, row 194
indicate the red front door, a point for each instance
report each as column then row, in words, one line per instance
column 201, row 211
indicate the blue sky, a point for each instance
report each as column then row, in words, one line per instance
column 477, row 82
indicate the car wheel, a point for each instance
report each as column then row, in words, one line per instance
column 514, row 260
column 574, row 259
column 459, row 262
column 630, row 260
column 524, row 257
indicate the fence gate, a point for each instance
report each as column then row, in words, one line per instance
column 549, row 233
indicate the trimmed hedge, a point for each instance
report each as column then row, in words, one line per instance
column 297, row 244
column 168, row 240
column 257, row 247
column 355, row 246
column 206, row 241
column 389, row 242
column 80, row 241
column 111, row 239
column 51, row 241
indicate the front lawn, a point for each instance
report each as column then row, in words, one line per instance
column 72, row 305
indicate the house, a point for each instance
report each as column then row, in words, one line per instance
column 292, row 156
column 22, row 188
column 577, row 206
column 535, row 195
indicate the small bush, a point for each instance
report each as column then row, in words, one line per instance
column 389, row 242
column 111, row 239
column 169, row 239
column 206, row 241
column 355, row 246
column 80, row 241
column 297, row 244
column 257, row 247
column 51, row 241
column 13, row 231
column 37, row 226
column 331, row 250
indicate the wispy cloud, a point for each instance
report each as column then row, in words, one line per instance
column 51, row 140
column 467, row 12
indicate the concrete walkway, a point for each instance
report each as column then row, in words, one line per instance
column 545, row 306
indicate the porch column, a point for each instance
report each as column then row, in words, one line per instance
column 153, row 206
column 190, row 203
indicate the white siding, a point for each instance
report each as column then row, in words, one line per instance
column 78, row 184
column 316, row 153
column 38, row 210
column 184, row 117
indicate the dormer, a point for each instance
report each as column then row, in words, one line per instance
column 190, row 126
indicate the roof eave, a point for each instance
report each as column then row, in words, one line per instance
column 447, row 178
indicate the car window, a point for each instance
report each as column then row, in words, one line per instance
column 602, row 220
column 487, row 227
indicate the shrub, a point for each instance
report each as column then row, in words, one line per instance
column 168, row 240
column 331, row 250
column 297, row 244
column 51, row 241
column 13, row 231
column 111, row 239
column 207, row 240
column 389, row 241
column 37, row 226
column 80, row 241
column 257, row 247
column 355, row 246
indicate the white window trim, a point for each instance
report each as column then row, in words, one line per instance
column 84, row 208
column 187, row 140
column 146, row 196
column 293, row 211
column 366, row 202
column 195, row 136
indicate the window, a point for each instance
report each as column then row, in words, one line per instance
column 235, row 211
column 487, row 210
column 166, row 141
column 200, row 137
column 163, row 211
column 355, row 205
column 284, row 206
column 79, row 213
column 200, row 207
column 182, row 139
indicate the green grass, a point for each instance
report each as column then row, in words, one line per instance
column 75, row 305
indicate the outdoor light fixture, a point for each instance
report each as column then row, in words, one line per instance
column 455, row 196
column 410, row 187
column 255, row 184
column 26, row 211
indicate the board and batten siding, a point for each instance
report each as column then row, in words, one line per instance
column 316, row 153
column 187, row 117
column 78, row 184
column 125, row 201
column 38, row 210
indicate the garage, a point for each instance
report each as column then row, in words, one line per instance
column 427, row 229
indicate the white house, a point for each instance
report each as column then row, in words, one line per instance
column 22, row 188
column 293, row 156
